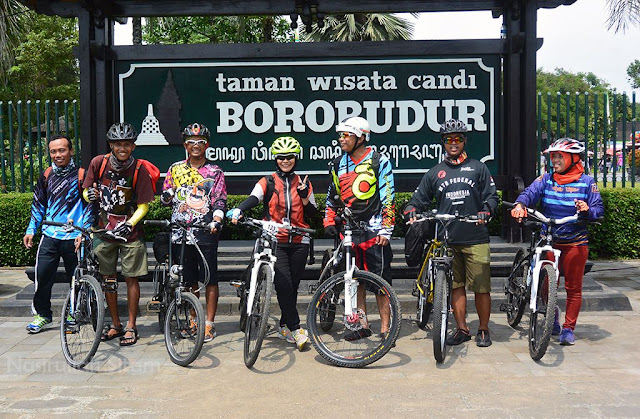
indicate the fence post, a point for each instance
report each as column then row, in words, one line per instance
column 558, row 112
column 11, row 159
column 30, row 152
column 20, row 145
column 595, row 139
column 567, row 122
column 549, row 136
column 539, row 136
column 615, row 154
column 39, row 136
column 56, row 109
column 624, row 138
column 47, row 110
column 633, row 139
column 75, row 133
column 577, row 125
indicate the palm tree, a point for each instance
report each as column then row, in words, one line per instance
column 11, row 27
column 622, row 13
column 361, row 27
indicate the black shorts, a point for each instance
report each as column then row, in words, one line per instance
column 192, row 265
column 372, row 257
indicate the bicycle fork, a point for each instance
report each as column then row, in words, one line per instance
column 254, row 276
column 534, row 272
column 354, row 317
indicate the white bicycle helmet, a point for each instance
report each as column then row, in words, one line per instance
column 355, row 125
column 568, row 145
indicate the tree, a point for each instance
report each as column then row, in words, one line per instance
column 44, row 66
column 12, row 26
column 215, row 29
column 633, row 71
column 622, row 13
column 361, row 27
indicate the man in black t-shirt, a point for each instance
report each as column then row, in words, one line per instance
column 465, row 185
column 122, row 188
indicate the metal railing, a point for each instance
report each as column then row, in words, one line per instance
column 24, row 130
column 607, row 122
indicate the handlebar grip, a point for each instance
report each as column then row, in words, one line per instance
column 55, row 223
column 307, row 230
column 511, row 204
column 158, row 223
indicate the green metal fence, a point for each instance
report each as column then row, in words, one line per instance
column 24, row 130
column 607, row 122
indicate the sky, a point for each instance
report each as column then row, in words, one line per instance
column 575, row 38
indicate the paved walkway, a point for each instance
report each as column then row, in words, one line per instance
column 598, row 377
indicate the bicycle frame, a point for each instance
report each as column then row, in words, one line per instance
column 264, row 254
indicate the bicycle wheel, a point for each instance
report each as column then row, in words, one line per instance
column 362, row 343
column 80, row 330
column 425, row 299
column 441, row 302
column 541, row 321
column 516, row 289
column 184, row 329
column 256, row 327
column 327, row 309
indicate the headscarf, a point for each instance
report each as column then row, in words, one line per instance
column 574, row 171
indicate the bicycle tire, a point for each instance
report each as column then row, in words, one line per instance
column 441, row 300
column 541, row 323
column 183, row 341
column 359, row 352
column 516, row 289
column 256, row 327
column 80, row 334
column 243, row 308
column 423, row 306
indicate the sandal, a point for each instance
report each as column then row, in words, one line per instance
column 105, row 332
column 128, row 341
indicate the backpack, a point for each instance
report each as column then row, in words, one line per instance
column 418, row 234
column 154, row 172
column 49, row 169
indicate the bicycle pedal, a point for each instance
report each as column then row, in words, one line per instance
column 236, row 283
column 313, row 288
column 154, row 306
column 504, row 307
column 415, row 292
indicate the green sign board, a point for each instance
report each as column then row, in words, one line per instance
column 247, row 104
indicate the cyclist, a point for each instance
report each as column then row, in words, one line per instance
column 362, row 180
column 285, row 196
column 196, row 189
column 464, row 185
column 562, row 192
column 56, row 197
column 122, row 188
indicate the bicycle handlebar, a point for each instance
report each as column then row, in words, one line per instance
column 70, row 226
column 550, row 221
column 286, row 226
column 179, row 224
column 434, row 215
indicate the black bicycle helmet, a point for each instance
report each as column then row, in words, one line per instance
column 453, row 125
column 122, row 131
column 196, row 130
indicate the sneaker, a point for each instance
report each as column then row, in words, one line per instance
column 567, row 337
column 483, row 339
column 285, row 334
column 301, row 338
column 71, row 324
column 209, row 332
column 38, row 323
column 458, row 337
column 192, row 331
column 556, row 323
column 357, row 334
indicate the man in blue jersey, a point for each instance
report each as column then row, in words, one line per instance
column 563, row 193
column 56, row 197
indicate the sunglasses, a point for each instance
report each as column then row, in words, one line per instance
column 345, row 135
column 195, row 142
column 453, row 140
column 286, row 157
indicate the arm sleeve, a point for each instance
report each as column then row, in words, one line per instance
column 422, row 196
column 594, row 200
column 256, row 196
column 39, row 205
column 219, row 195
column 139, row 214
column 168, row 180
column 387, row 196
column 532, row 194
column 489, row 193
column 332, row 202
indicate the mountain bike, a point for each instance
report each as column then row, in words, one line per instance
column 356, row 339
column 423, row 287
column 83, row 310
column 255, row 286
column 534, row 279
column 179, row 311
column 439, row 276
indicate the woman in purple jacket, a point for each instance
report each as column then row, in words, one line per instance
column 563, row 192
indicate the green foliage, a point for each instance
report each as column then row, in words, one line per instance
column 633, row 71
column 619, row 234
column 44, row 65
column 12, row 26
column 361, row 27
column 16, row 212
column 215, row 29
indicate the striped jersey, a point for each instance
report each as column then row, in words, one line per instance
column 558, row 201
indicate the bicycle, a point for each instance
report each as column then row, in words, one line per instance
column 534, row 278
column 255, row 286
column 439, row 276
column 82, row 316
column 354, row 343
column 180, row 313
column 423, row 287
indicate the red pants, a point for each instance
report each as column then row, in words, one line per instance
column 572, row 261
